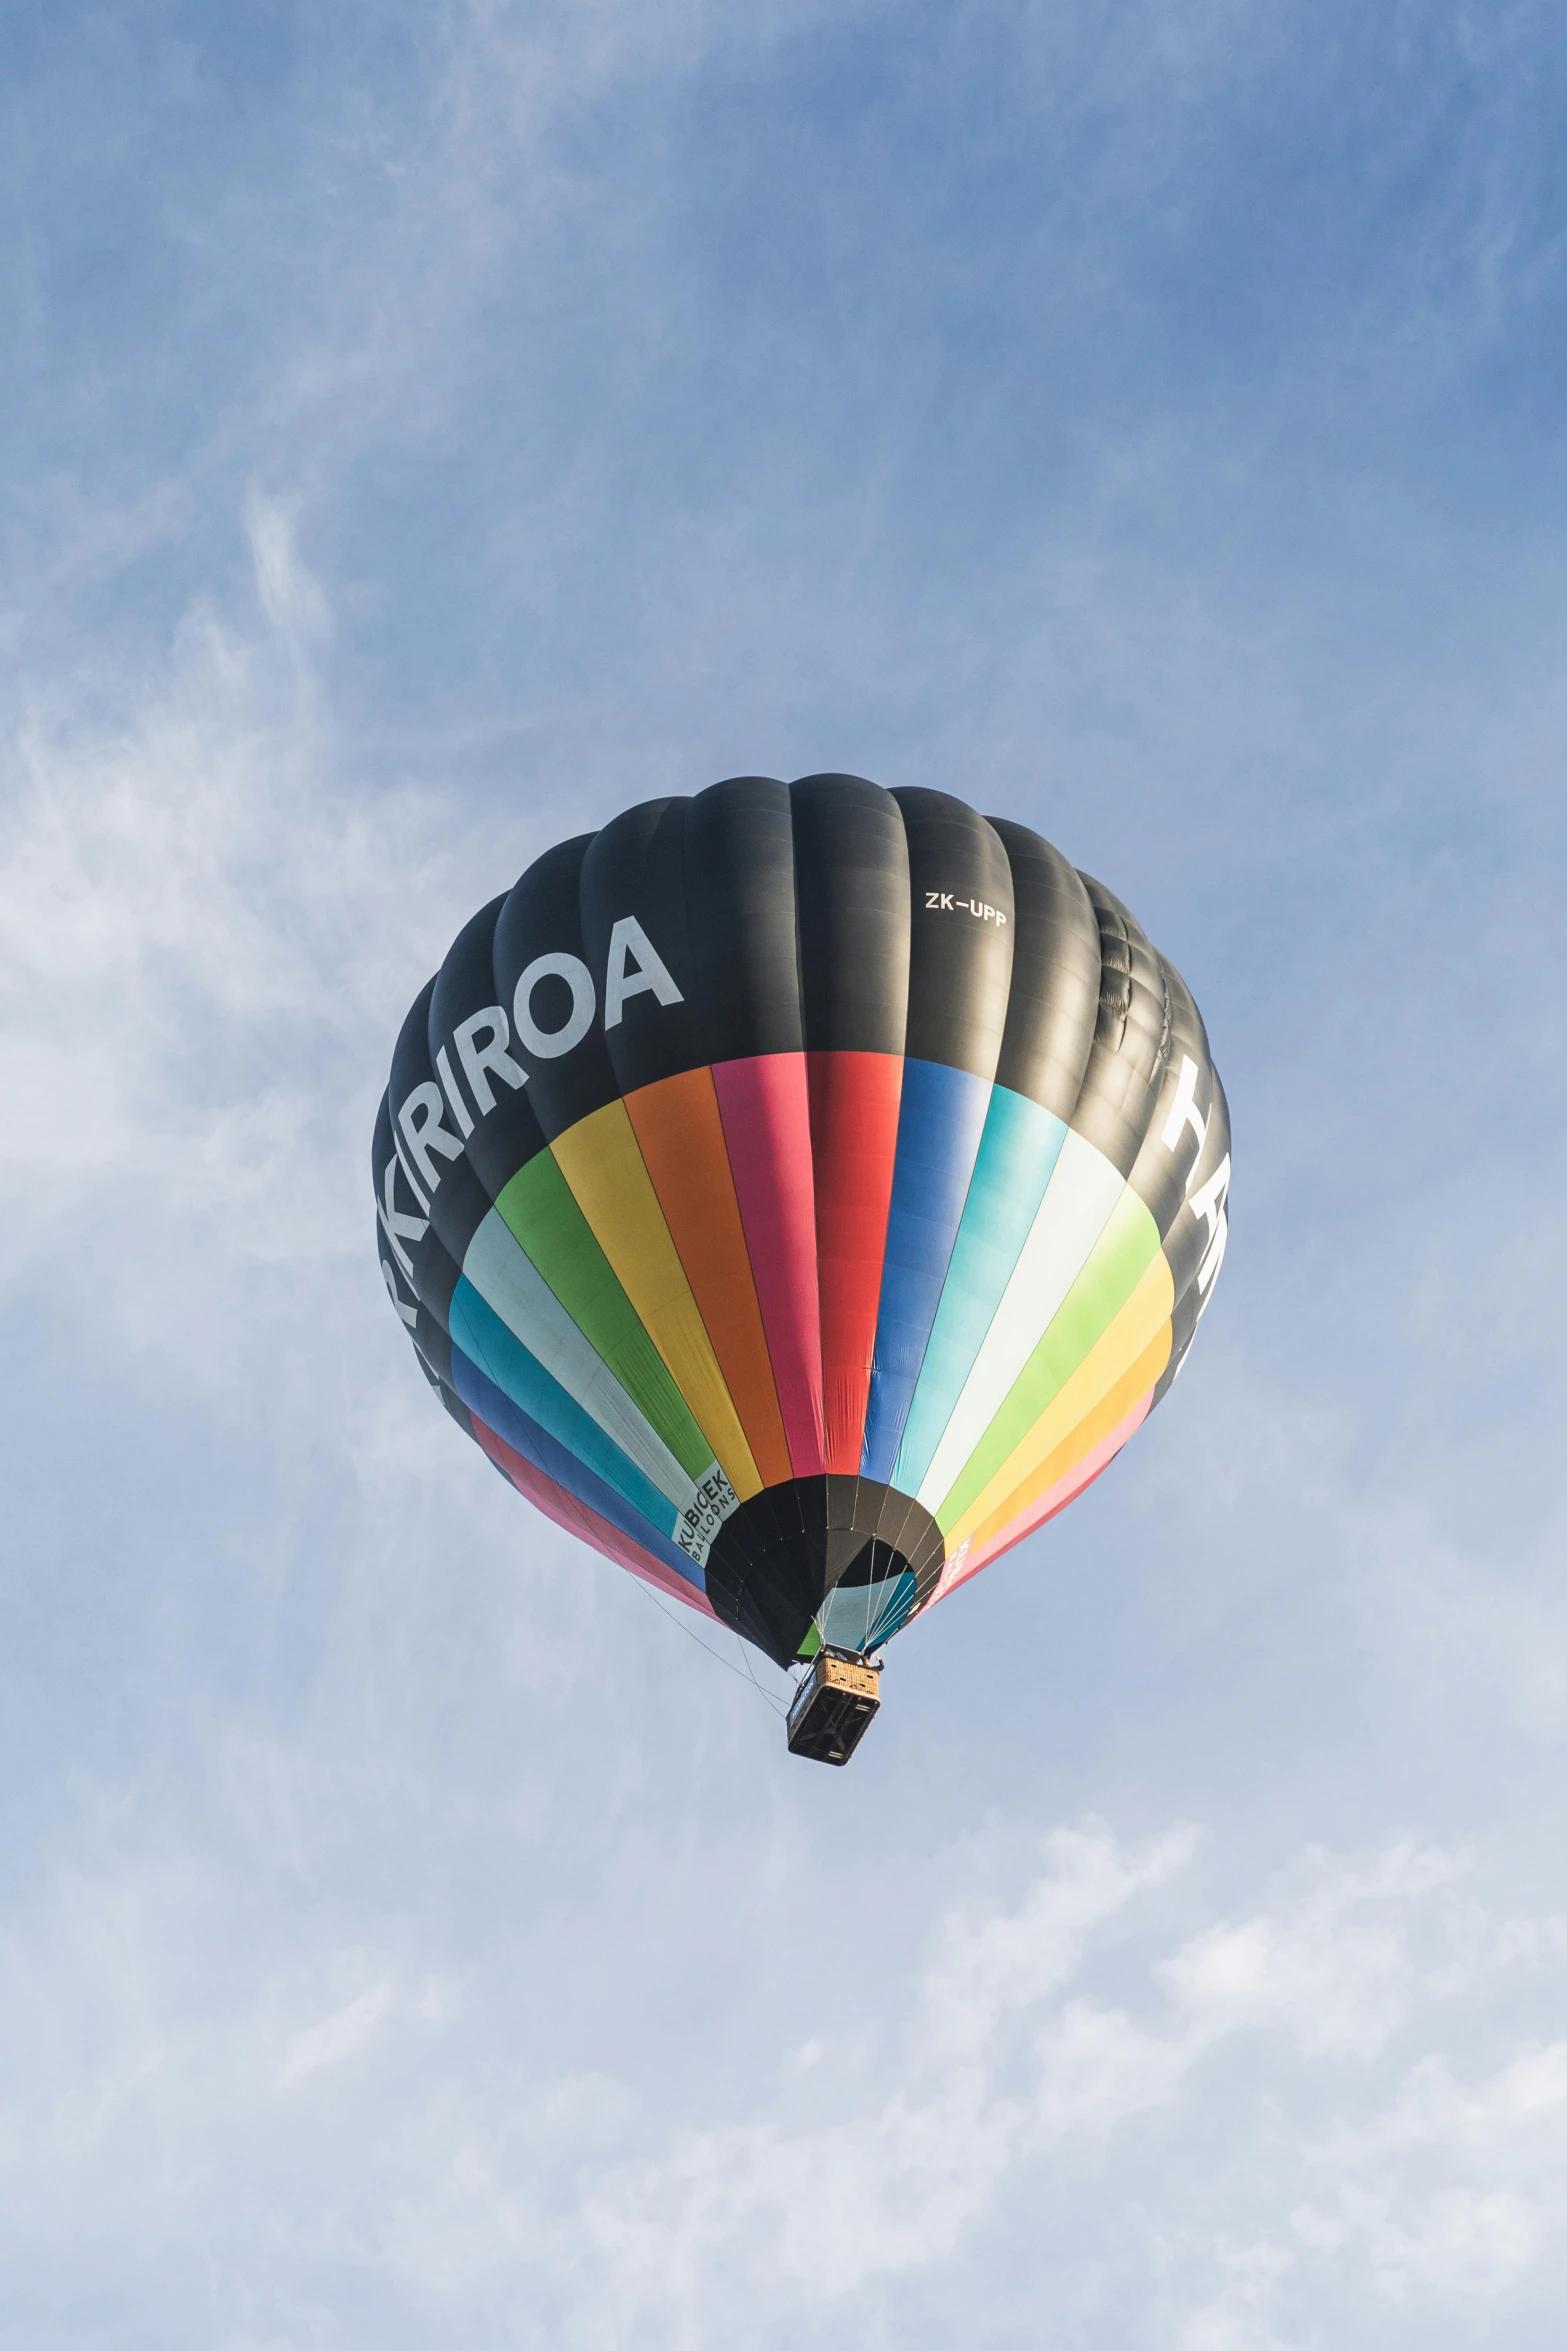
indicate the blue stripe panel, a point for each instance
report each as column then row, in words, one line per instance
column 524, row 1435
column 496, row 1350
column 1017, row 1153
column 940, row 1122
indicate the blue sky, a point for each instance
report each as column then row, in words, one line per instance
column 431, row 429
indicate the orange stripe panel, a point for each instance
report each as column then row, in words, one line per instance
column 681, row 1136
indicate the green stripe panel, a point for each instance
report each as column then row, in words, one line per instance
column 541, row 1210
column 1119, row 1259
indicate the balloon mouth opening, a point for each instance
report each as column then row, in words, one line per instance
column 823, row 1563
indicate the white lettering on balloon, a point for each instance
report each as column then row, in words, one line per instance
column 1184, row 1111
column 482, row 1061
column 397, row 1227
column 624, row 979
column 549, row 1044
column 634, row 968
column 1212, row 1205
column 945, row 902
column 712, row 1500
column 423, row 1121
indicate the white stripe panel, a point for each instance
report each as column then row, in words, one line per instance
column 509, row 1282
column 1082, row 1190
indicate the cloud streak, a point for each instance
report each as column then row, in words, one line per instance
column 1018, row 2060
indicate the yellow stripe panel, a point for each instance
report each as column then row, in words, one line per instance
column 1107, row 1414
column 1111, row 1354
column 601, row 1161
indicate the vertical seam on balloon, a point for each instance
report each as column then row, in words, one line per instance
column 995, row 1310
column 1022, row 1373
column 745, row 1238
column 1044, row 1202
column 997, row 1091
column 750, row 1265
column 583, row 1468
column 810, row 1132
column 990, row 1324
column 723, row 1379
column 947, row 1267
column 597, row 1345
column 858, row 1057
column 619, row 1104
column 474, row 1338
column 637, row 1423
column 945, row 1272
column 1031, row 1430
column 818, row 1413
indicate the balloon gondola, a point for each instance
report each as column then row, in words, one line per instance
column 800, row 1193
column 833, row 1704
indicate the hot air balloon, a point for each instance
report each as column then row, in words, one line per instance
column 801, row 1192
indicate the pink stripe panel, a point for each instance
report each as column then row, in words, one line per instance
column 1054, row 1500
column 765, row 1106
column 577, row 1519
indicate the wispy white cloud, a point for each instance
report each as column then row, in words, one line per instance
column 203, row 950
column 347, row 2030
column 1017, row 2058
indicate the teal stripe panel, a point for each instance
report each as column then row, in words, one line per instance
column 479, row 1331
column 1017, row 1154
column 862, row 1616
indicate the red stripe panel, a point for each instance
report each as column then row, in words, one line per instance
column 577, row 1519
column 854, row 1141
column 765, row 1106
column 1048, row 1505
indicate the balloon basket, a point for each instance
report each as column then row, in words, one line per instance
column 833, row 1706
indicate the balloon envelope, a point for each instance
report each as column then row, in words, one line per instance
column 801, row 1192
